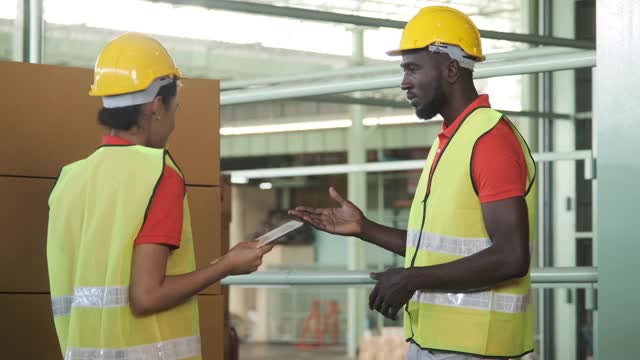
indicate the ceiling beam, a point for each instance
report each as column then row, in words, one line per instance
column 574, row 60
column 325, row 16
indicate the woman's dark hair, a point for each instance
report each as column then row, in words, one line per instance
column 126, row 118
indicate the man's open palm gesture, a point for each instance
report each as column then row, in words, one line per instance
column 344, row 220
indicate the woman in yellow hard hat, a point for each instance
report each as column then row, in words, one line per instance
column 119, row 248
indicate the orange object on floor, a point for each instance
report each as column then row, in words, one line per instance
column 320, row 324
column 331, row 321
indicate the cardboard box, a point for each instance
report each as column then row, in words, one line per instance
column 212, row 326
column 27, row 327
column 290, row 255
column 389, row 345
column 23, row 244
column 35, row 125
column 204, row 205
column 227, row 195
column 195, row 143
column 43, row 106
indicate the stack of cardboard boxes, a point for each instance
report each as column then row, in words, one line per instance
column 231, row 342
column 47, row 120
column 389, row 345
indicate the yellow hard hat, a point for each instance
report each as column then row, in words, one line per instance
column 441, row 25
column 130, row 63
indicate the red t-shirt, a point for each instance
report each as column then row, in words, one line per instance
column 163, row 224
column 498, row 165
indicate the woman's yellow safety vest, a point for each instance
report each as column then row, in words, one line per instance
column 96, row 210
column 446, row 224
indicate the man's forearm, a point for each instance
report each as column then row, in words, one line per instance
column 389, row 238
column 479, row 271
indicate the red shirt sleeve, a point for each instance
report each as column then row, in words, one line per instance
column 498, row 165
column 164, row 218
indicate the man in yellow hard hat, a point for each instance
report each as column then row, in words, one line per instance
column 119, row 245
column 465, row 288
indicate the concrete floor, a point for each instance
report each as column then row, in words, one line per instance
column 290, row 352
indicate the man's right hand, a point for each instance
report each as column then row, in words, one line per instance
column 244, row 258
column 344, row 220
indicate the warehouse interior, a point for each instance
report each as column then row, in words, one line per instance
column 308, row 99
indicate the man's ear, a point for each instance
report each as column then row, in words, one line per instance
column 156, row 107
column 454, row 71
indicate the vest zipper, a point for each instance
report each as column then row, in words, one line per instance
column 424, row 217
column 413, row 260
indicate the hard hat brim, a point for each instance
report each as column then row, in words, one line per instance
column 396, row 52
column 177, row 74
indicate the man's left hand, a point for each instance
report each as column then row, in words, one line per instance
column 391, row 292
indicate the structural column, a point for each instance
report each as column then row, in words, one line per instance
column 29, row 31
column 357, row 191
column 563, row 185
column 617, row 84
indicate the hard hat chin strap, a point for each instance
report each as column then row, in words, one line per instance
column 136, row 98
column 455, row 53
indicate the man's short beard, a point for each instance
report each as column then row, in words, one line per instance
column 433, row 108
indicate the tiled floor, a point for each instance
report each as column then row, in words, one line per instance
column 290, row 352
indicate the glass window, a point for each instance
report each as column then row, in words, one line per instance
column 8, row 29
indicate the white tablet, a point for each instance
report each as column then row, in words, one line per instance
column 279, row 232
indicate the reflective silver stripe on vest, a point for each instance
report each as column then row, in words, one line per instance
column 447, row 244
column 167, row 350
column 91, row 297
column 61, row 305
column 483, row 300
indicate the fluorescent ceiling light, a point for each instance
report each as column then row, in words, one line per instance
column 391, row 120
column 239, row 180
column 320, row 125
column 272, row 128
column 396, row 120
column 266, row 185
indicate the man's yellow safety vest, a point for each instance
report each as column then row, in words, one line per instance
column 446, row 224
column 96, row 210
